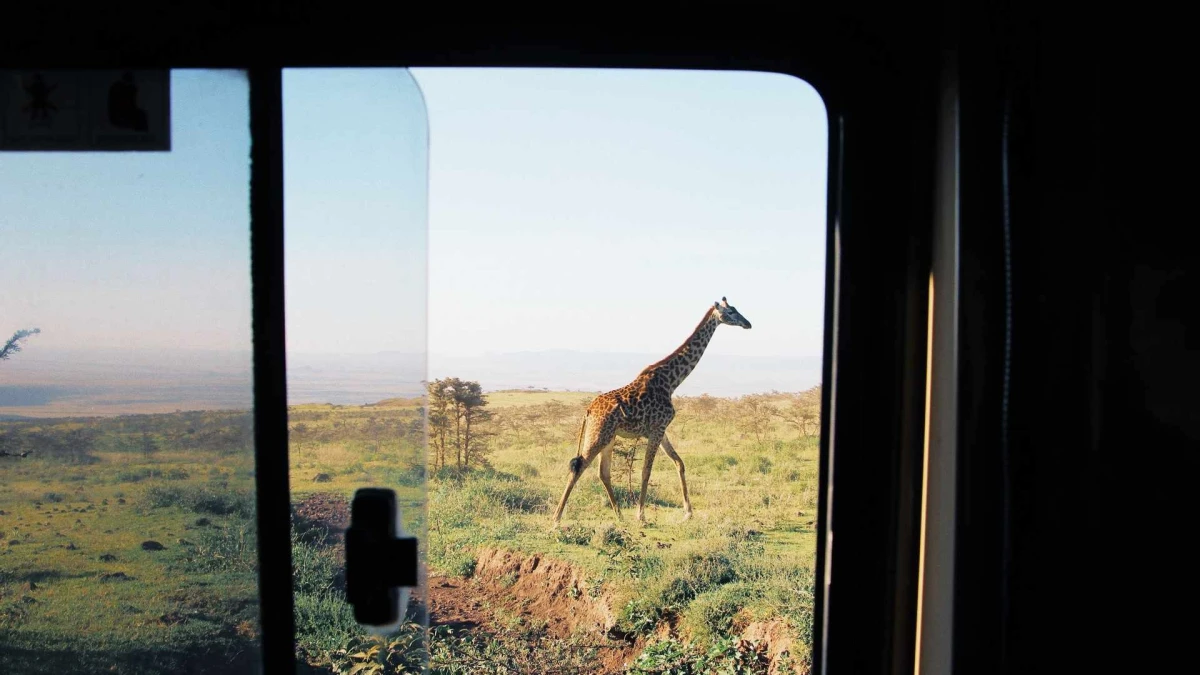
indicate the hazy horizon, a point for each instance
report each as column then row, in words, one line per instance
column 519, row 227
column 104, row 382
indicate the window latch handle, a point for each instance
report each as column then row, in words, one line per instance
column 381, row 563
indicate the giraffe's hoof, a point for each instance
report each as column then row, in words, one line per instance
column 687, row 515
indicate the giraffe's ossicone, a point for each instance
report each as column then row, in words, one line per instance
column 643, row 409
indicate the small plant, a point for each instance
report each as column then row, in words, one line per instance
column 404, row 653
column 762, row 464
column 612, row 537
column 462, row 566
column 727, row 656
column 54, row 497
column 576, row 535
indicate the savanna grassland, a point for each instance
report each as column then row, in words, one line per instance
column 127, row 544
column 682, row 592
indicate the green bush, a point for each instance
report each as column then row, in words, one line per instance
column 612, row 537
column 315, row 570
column 710, row 615
column 577, row 535
column 513, row 497
column 462, row 565
column 134, row 475
column 203, row 500
column 233, row 548
column 727, row 656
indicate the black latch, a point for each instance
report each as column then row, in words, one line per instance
column 378, row 562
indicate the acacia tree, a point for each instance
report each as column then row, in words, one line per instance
column 440, row 402
column 471, row 408
column 754, row 415
column 14, row 343
column 456, row 418
column 803, row 412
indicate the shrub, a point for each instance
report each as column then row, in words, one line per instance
column 577, row 535
column 226, row 549
column 134, row 475
column 762, row 464
column 462, row 566
column 612, row 537
column 513, row 497
column 314, row 569
column 202, row 499
column 726, row 656
column 710, row 616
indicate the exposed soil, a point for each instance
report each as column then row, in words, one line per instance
column 324, row 515
column 531, row 586
column 540, row 589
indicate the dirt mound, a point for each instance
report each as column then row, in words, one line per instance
column 552, row 590
column 322, row 516
column 557, row 593
column 535, row 587
column 778, row 640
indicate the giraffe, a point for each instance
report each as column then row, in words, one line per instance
column 643, row 409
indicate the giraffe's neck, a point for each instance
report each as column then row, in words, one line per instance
column 674, row 369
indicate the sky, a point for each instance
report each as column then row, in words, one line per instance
column 464, row 211
column 599, row 210
column 137, row 250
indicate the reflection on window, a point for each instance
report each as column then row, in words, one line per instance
column 127, row 509
column 355, row 151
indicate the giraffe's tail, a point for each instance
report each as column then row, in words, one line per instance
column 576, row 464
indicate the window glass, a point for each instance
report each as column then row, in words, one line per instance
column 127, row 507
column 355, row 193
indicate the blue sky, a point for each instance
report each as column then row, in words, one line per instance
column 135, row 250
column 579, row 210
column 604, row 210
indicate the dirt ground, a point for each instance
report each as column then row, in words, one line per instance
column 535, row 588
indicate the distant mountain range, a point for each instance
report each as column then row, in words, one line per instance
column 717, row 374
column 43, row 382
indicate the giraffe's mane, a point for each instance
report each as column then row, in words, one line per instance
column 668, row 357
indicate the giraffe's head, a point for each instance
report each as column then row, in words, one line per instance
column 727, row 314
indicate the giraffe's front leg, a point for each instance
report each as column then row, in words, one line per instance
column 651, row 448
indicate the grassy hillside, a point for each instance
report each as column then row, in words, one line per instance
column 127, row 544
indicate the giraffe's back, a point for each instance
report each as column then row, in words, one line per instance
column 636, row 408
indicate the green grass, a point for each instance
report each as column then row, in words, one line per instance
column 76, row 512
column 78, row 593
column 747, row 554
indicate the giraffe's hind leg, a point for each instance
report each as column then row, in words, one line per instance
column 598, row 438
column 687, row 504
column 606, row 478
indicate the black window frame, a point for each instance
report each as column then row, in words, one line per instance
column 877, row 77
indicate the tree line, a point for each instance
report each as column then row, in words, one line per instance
column 457, row 415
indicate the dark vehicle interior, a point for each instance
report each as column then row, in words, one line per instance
column 1039, row 395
